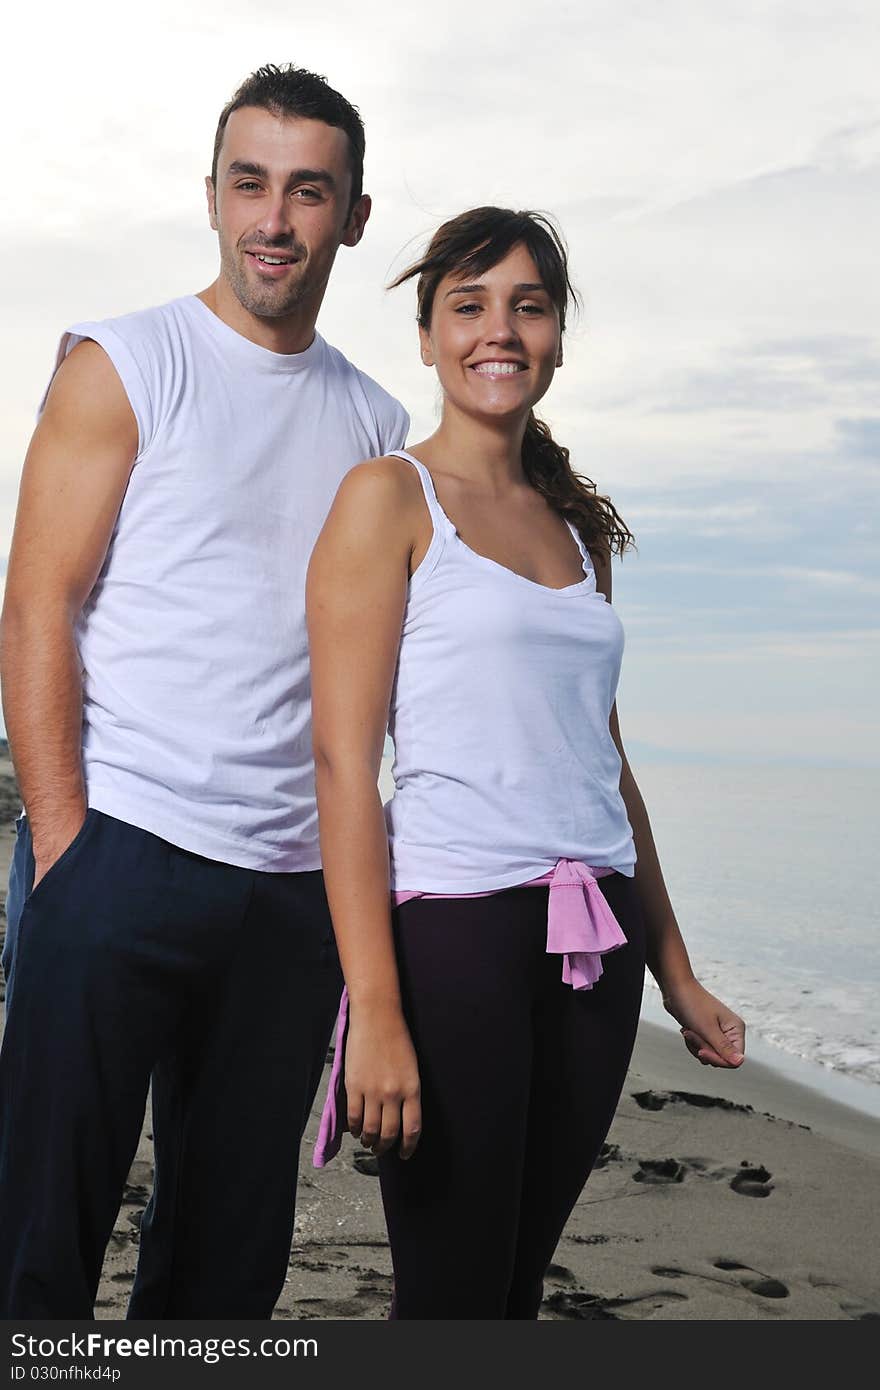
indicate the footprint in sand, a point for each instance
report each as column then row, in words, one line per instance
column 764, row 1285
column 578, row 1303
column 659, row 1170
column 850, row 1304
column 374, row 1285
column 859, row 1312
column 587, row 1307
column 752, row 1279
column 135, row 1195
column 368, row 1301
column 656, row 1100
column 609, row 1153
column 752, row 1181
column 366, row 1163
column 749, row 1180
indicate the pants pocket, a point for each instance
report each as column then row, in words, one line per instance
column 47, row 882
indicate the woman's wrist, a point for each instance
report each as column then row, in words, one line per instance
column 673, row 978
column 378, row 1004
column 668, row 960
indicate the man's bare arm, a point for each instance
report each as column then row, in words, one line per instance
column 75, row 475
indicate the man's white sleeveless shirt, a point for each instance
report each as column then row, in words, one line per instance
column 196, row 700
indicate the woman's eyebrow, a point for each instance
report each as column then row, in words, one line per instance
column 480, row 289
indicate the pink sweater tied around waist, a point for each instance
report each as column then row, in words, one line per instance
column 580, row 927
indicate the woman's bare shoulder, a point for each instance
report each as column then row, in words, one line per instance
column 377, row 504
column 387, row 479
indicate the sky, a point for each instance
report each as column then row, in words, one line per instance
column 716, row 173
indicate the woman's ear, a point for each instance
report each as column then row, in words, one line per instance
column 559, row 356
column 425, row 344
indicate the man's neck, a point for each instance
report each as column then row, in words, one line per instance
column 291, row 333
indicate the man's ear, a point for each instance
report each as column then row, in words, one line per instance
column 425, row 344
column 212, row 202
column 357, row 220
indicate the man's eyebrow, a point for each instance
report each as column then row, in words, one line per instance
column 259, row 171
column 481, row 289
column 243, row 166
column 313, row 176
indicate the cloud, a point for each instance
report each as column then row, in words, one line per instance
column 759, row 387
column 798, row 573
column 766, row 376
column 834, row 357
column 851, row 149
column 861, row 438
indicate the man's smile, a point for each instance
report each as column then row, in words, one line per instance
column 271, row 263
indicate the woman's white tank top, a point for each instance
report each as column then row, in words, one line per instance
column 504, row 762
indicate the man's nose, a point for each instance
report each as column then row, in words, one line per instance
column 276, row 219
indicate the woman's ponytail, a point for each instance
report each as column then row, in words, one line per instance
column 547, row 467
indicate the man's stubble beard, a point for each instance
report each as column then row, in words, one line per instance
column 266, row 301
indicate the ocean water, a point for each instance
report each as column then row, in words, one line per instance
column 774, row 875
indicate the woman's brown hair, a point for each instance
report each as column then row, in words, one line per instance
column 471, row 244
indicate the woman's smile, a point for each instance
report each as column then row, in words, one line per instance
column 497, row 368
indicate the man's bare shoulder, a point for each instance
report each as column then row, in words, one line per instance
column 86, row 365
column 86, row 391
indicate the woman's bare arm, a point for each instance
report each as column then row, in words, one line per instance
column 712, row 1032
column 355, row 599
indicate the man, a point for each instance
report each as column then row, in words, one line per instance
column 155, row 684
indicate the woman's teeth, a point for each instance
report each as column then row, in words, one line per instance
column 498, row 368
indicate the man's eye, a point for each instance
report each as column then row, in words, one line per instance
column 307, row 193
column 246, row 185
column 466, row 308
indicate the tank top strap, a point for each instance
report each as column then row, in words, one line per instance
column 585, row 554
column 442, row 525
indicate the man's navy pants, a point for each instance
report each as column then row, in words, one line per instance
column 131, row 960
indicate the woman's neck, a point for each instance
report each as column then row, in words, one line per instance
column 487, row 454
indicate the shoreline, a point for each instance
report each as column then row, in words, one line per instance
column 811, row 1084
column 765, row 1087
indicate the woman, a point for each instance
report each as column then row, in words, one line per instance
column 460, row 595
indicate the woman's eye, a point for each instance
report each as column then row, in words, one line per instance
column 466, row 308
column 531, row 308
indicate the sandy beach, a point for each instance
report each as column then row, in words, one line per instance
column 719, row 1195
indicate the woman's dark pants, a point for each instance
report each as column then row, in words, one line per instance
column 520, row 1078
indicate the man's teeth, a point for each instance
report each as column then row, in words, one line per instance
column 273, row 260
column 497, row 368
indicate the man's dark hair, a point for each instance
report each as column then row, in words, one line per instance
column 290, row 91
